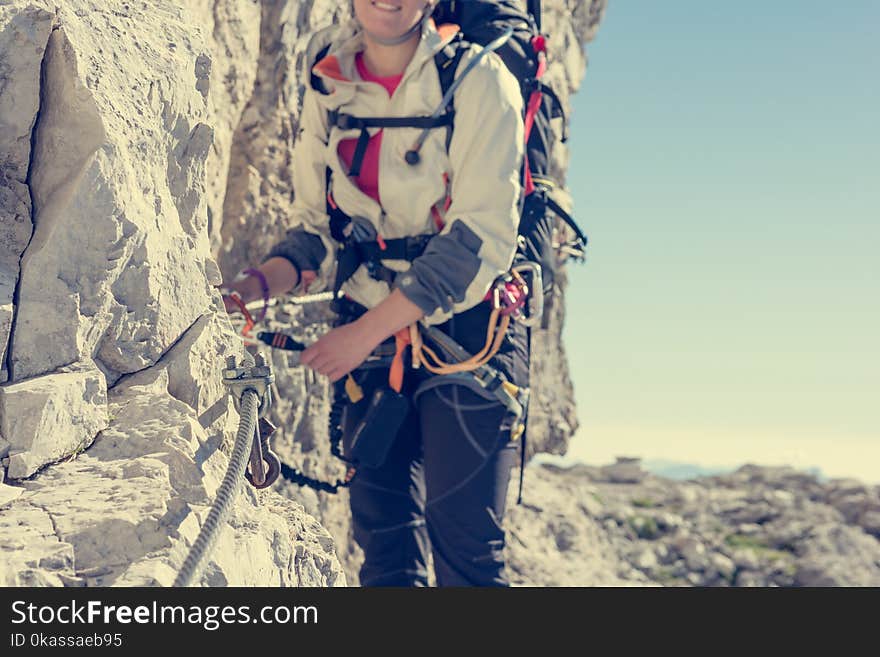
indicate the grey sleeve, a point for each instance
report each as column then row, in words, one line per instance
column 441, row 276
column 304, row 250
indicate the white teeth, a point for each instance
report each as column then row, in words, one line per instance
column 382, row 5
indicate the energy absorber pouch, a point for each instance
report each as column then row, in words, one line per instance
column 376, row 432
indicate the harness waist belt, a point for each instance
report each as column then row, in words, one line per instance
column 403, row 248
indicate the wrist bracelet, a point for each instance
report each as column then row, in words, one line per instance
column 264, row 286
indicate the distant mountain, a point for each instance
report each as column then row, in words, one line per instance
column 680, row 471
column 671, row 469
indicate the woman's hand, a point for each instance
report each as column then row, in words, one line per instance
column 346, row 347
column 340, row 351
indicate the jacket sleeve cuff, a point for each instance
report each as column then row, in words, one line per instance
column 443, row 274
column 409, row 285
column 304, row 250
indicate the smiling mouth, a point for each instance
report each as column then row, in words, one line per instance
column 384, row 6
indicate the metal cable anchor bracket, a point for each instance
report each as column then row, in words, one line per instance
column 264, row 465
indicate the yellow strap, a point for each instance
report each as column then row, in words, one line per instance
column 415, row 339
column 353, row 390
column 517, row 431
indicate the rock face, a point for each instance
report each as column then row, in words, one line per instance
column 115, row 424
column 24, row 32
column 47, row 418
column 758, row 526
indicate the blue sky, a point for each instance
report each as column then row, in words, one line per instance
column 726, row 165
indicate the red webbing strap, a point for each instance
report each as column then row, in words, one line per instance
column 531, row 111
column 395, row 374
column 539, row 45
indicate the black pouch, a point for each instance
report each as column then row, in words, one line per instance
column 376, row 432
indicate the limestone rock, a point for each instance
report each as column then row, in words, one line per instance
column 126, row 511
column 693, row 552
column 116, row 329
column 31, row 553
column 675, row 539
column 870, row 521
column 646, row 559
column 50, row 417
column 24, row 32
column 191, row 367
column 551, row 542
column 839, row 555
column 746, row 559
column 226, row 78
column 115, row 267
column 9, row 493
column 722, row 564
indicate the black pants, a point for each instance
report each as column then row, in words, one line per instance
column 443, row 486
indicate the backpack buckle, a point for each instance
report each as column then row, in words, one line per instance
column 347, row 121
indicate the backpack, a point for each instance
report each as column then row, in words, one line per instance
column 524, row 54
column 485, row 23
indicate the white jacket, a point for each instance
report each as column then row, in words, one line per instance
column 483, row 164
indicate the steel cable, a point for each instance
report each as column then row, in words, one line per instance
column 227, row 492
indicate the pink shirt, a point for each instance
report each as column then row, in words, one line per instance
column 368, row 180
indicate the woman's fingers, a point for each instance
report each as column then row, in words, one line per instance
column 329, row 366
column 319, row 359
column 321, row 363
column 305, row 358
column 310, row 354
column 335, row 354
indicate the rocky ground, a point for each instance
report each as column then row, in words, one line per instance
column 758, row 526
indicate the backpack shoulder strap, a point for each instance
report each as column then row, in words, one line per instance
column 447, row 61
column 316, row 82
column 534, row 7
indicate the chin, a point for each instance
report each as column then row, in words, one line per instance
column 384, row 24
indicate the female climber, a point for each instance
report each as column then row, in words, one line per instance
column 414, row 222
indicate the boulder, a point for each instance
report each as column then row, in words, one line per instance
column 50, row 417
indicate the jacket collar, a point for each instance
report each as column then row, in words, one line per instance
column 338, row 65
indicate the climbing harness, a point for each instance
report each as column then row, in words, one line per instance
column 373, row 435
